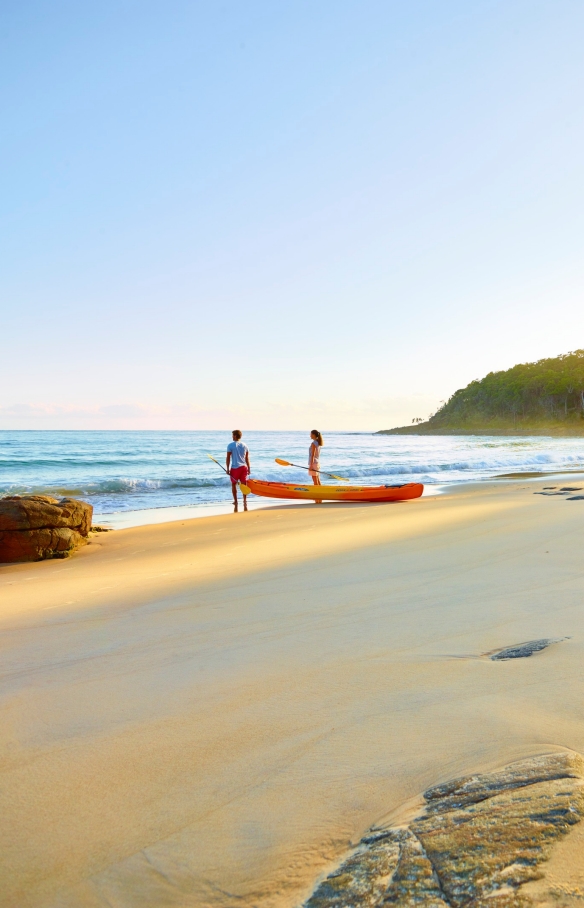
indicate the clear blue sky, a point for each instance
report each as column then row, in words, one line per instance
column 283, row 214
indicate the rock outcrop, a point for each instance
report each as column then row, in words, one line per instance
column 477, row 842
column 35, row 527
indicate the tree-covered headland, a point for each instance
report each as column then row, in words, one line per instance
column 546, row 397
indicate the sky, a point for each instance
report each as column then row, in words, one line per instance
column 318, row 213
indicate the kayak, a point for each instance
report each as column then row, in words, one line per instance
column 335, row 493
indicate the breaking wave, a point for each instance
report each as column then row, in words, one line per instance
column 483, row 465
column 132, row 485
column 121, row 486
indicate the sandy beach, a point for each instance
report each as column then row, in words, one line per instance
column 209, row 712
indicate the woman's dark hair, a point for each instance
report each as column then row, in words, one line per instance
column 318, row 437
column 236, row 434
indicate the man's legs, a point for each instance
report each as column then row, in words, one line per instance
column 234, row 490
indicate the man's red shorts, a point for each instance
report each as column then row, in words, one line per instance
column 239, row 474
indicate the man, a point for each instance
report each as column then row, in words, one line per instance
column 237, row 466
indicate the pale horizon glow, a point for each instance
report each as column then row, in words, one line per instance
column 281, row 216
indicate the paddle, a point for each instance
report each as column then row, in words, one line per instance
column 245, row 490
column 286, row 463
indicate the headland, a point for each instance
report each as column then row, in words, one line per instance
column 541, row 398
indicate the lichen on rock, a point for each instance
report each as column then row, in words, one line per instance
column 478, row 840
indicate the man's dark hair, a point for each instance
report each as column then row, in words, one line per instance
column 236, row 434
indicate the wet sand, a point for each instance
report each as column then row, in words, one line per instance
column 209, row 712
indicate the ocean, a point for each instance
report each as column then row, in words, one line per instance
column 121, row 472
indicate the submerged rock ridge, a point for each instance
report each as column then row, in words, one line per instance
column 35, row 527
column 477, row 841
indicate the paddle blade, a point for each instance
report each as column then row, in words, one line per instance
column 284, row 463
column 245, row 490
column 340, row 478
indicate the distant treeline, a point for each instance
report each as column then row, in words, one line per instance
column 550, row 389
column 549, row 392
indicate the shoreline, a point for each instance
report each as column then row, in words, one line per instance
column 556, row 431
column 115, row 520
column 124, row 520
column 131, row 482
column 215, row 711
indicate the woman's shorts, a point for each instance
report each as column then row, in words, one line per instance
column 239, row 474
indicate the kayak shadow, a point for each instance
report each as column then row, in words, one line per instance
column 338, row 505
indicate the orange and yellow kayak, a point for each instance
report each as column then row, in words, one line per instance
column 335, row 493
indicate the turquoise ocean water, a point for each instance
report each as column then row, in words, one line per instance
column 130, row 471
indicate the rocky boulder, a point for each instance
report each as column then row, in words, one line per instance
column 480, row 841
column 35, row 527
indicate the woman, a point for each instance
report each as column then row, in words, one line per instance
column 314, row 458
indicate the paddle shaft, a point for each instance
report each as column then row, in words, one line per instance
column 314, row 470
column 218, row 464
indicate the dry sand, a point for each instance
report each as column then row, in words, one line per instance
column 210, row 712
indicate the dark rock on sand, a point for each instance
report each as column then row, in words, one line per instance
column 478, row 840
column 35, row 527
column 522, row 650
column 547, row 490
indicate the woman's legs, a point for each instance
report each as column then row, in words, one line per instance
column 317, row 482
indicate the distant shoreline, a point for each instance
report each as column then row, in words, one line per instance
column 553, row 431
